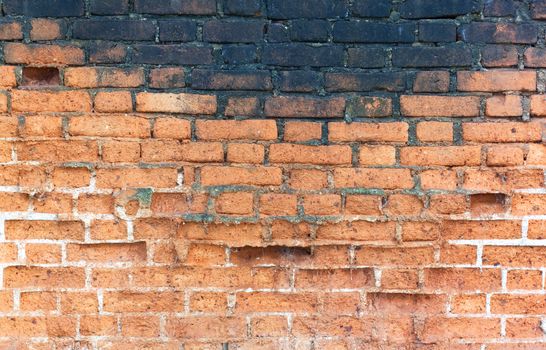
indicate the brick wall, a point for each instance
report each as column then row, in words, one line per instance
column 273, row 174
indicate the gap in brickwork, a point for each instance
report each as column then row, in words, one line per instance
column 40, row 76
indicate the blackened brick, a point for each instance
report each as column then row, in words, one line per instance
column 107, row 52
column 239, row 54
column 538, row 9
column 299, row 81
column 170, row 7
column 500, row 33
column 44, row 8
column 448, row 56
column 393, row 81
column 372, row 8
column 242, row 7
column 431, row 81
column 535, row 57
column 499, row 56
column 219, row 31
column 364, row 57
column 283, row 9
column 277, row 33
column 205, row 79
column 365, row 32
column 435, row 8
column 114, row 29
column 437, row 32
column 499, row 8
column 303, row 55
column 109, row 7
column 309, row 30
column 171, row 54
column 177, row 30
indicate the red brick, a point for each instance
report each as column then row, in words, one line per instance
column 220, row 328
column 172, row 128
column 276, row 302
column 440, row 328
column 534, row 57
column 497, row 80
column 113, row 101
column 538, row 105
column 175, row 103
column 235, row 203
column 322, row 204
column 87, row 77
column 468, row 304
column 122, row 178
column 107, row 252
column 438, row 180
column 518, row 304
column 440, row 106
column 301, row 107
column 505, row 156
column 7, row 76
column 524, row 256
column 357, row 231
column 366, row 132
column 501, row 181
column 524, row 279
column 435, row 132
column 38, row 229
column 462, row 279
column 110, row 126
column 121, row 151
column 258, row 176
column 44, row 277
column 394, row 256
column 362, row 205
column 45, row 29
column 178, row 203
column 278, row 204
column 170, row 150
column 528, row 204
column 494, row 229
column 308, row 179
column 245, row 153
column 38, row 125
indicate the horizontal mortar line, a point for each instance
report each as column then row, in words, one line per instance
column 502, row 242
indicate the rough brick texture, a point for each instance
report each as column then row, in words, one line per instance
column 272, row 174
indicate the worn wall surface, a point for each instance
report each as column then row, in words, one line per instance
column 272, row 174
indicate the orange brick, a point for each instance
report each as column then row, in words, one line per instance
column 420, row 231
column 435, row 132
column 377, row 155
column 503, row 106
column 366, row 132
column 43, row 253
column 302, row 131
column 462, row 279
column 107, row 252
column 524, row 279
column 38, row 229
column 245, row 153
column 538, row 106
column 440, row 106
column 88, row 77
column 278, row 204
column 399, row 279
column 258, row 176
column 528, row 204
column 518, row 304
column 403, row 204
column 209, row 302
column 172, row 128
column 50, row 202
column 99, row 204
column 38, row 301
column 48, row 101
column 7, row 76
column 438, row 180
column 269, row 326
column 71, row 177
column 113, row 101
column 308, row 179
column 44, row 277
column 242, row 106
column 108, row 229
column 14, row 201
column 324, row 155
column 45, row 29
column 373, row 178
column 468, row 304
column 98, row 325
column 236, row 129
column 447, row 156
column 140, row 326
column 362, row 205
column 110, row 126
column 276, row 302
column 49, row 55
column 235, row 203
column 504, row 156
column 8, row 253
column 42, row 126
column 122, row 178
column 357, row 231
column 536, row 229
column 170, row 150
column 322, row 204
column 394, row 256
column 497, row 80
column 530, row 257
column 121, row 151
column 502, row 132
column 164, row 78
column 178, row 203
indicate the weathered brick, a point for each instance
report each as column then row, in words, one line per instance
column 369, row 8
column 492, row 81
column 222, row 31
column 38, row 54
column 107, row 52
column 498, row 33
column 45, row 101
column 47, row 29
column 115, row 101
column 175, row 103
column 365, row 132
column 502, row 132
column 287, row 107
column 373, row 178
column 503, row 106
column 302, row 55
column 440, row 106
column 309, row 30
column 242, row 7
column 232, row 80
column 499, row 56
column 103, row 77
column 259, row 176
column 177, row 30
column 447, row 56
column 113, row 29
column 432, row 9
column 168, row 7
column 172, row 54
column 364, row 57
column 299, row 81
column 109, row 7
column 279, row 9
column 446, row 156
column 37, row 8
column 434, row 131
column 437, row 32
column 340, row 82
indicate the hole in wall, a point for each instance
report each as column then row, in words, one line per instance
column 41, row 76
column 487, row 203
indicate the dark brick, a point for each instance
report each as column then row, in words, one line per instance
column 437, row 32
column 364, row 57
column 309, row 30
column 535, row 57
column 107, row 52
column 435, row 8
column 171, row 54
column 109, row 7
column 237, row 54
column 299, row 81
column 339, row 82
column 372, row 8
column 204, row 79
column 303, row 55
column 538, row 9
column 499, row 56
column 499, row 8
column 283, row 9
column 114, row 29
column 500, row 33
column 365, row 32
column 44, row 8
column 431, row 81
column 177, row 30
column 176, row 7
column 277, row 33
column 220, row 31
column 448, row 56
column 242, row 7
